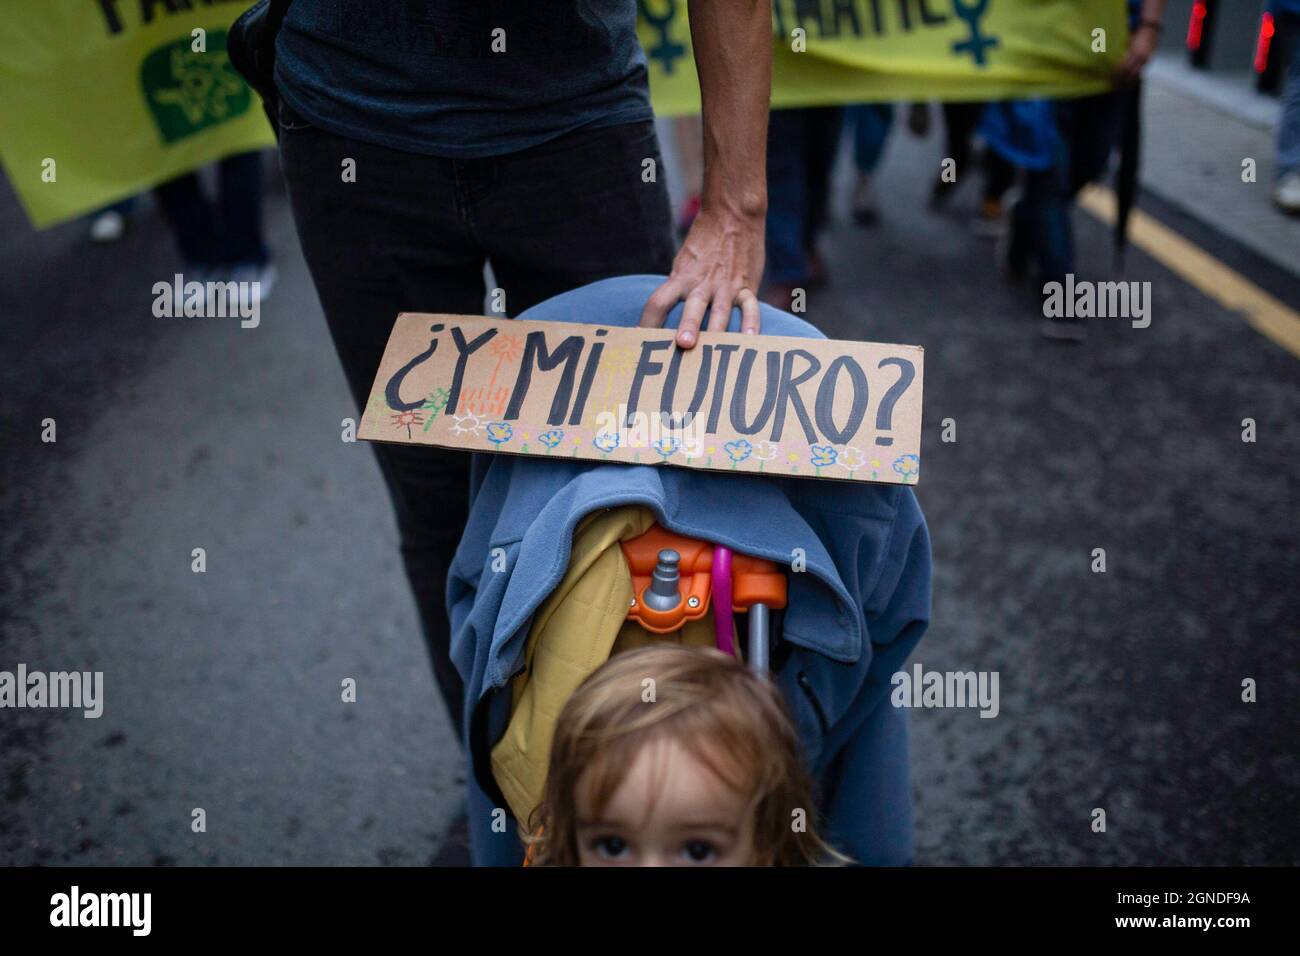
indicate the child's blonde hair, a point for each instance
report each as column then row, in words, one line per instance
column 730, row 719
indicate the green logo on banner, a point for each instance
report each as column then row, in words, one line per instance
column 188, row 92
column 977, row 42
column 666, row 50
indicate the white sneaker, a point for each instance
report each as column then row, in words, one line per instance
column 1287, row 193
column 107, row 226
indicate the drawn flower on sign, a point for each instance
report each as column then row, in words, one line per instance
column 823, row 456
column 692, row 448
column 738, row 451
column 498, row 433
column 467, row 424
column 606, row 441
column 435, row 403
column 851, row 459
column 619, row 359
column 437, row 400
column 551, row 438
column 909, row 466
column 506, row 348
column 406, row 420
column 616, row 362
column 666, row 446
column 764, row 452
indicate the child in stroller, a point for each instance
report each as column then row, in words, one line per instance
column 676, row 756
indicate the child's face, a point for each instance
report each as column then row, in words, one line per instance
column 670, row 810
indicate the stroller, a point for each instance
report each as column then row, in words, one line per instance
column 829, row 582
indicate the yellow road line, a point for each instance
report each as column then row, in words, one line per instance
column 1232, row 290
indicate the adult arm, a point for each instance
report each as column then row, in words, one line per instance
column 721, row 262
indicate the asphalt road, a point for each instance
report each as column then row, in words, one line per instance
column 1119, row 690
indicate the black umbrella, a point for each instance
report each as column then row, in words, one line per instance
column 1126, row 178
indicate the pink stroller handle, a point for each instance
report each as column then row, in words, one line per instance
column 724, row 622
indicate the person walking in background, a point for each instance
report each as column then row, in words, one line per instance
column 801, row 147
column 1286, row 191
column 961, row 121
column 220, row 238
column 1064, row 146
column 871, row 125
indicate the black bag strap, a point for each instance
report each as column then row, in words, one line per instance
column 251, row 47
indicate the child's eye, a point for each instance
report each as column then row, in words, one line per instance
column 700, row 851
column 610, row 847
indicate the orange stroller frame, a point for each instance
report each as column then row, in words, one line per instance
column 676, row 579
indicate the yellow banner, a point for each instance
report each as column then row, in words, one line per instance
column 102, row 99
column 863, row 51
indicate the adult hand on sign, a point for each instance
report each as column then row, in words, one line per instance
column 721, row 262
column 719, row 265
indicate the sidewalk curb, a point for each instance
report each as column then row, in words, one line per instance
column 1256, row 109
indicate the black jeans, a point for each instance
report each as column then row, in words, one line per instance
column 413, row 232
column 961, row 120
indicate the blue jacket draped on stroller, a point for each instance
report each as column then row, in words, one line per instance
column 854, row 615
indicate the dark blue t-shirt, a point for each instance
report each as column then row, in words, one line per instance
column 423, row 75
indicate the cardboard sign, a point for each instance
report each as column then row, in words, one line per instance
column 811, row 408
